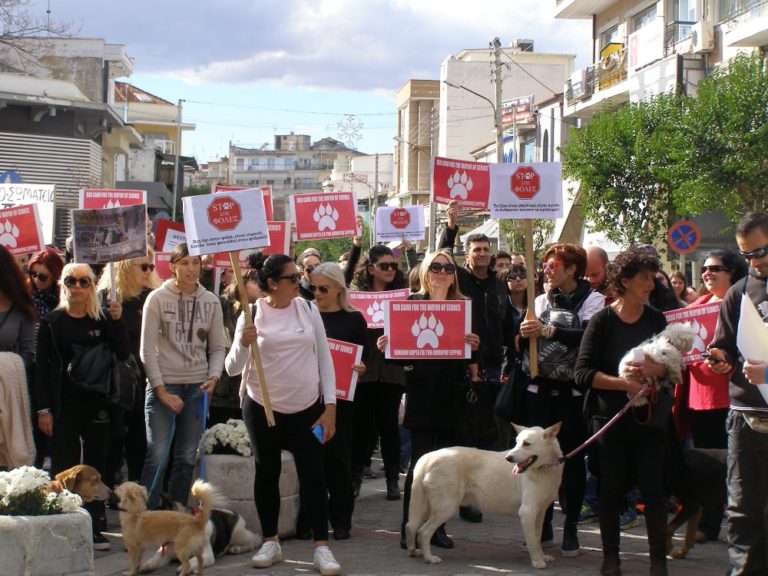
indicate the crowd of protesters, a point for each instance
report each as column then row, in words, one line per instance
column 190, row 346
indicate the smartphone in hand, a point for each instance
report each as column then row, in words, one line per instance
column 317, row 432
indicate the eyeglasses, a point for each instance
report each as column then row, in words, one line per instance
column 516, row 276
column 713, row 268
column 71, row 282
column 314, row 288
column 384, row 266
column 550, row 266
column 39, row 276
column 755, row 254
column 309, row 269
column 294, row 278
column 436, row 268
column 144, row 267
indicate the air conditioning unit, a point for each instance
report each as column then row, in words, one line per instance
column 703, row 37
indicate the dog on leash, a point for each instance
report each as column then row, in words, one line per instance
column 83, row 480
column 697, row 478
column 448, row 478
column 144, row 529
column 666, row 348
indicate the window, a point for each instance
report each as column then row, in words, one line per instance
column 240, row 163
column 684, row 10
column 610, row 36
column 270, row 163
column 644, row 17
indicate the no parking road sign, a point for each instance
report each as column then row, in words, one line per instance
column 684, row 237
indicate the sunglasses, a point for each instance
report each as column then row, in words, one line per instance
column 517, row 276
column 550, row 266
column 144, row 267
column 39, row 276
column 384, row 266
column 71, row 282
column 755, row 254
column 314, row 288
column 294, row 278
column 436, row 268
column 713, row 268
column 310, row 269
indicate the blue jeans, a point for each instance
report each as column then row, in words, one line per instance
column 188, row 428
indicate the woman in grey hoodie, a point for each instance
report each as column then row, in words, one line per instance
column 183, row 349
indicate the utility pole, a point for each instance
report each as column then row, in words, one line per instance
column 176, row 162
column 497, row 112
column 433, row 134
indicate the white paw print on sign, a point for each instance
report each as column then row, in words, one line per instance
column 700, row 334
column 9, row 232
column 376, row 312
column 460, row 185
column 326, row 216
column 427, row 331
column 113, row 204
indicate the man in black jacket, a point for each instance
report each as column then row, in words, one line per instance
column 747, row 422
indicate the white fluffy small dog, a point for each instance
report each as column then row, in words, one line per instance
column 666, row 348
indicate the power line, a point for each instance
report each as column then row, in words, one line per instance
column 292, row 111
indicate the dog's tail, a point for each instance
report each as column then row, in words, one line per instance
column 209, row 498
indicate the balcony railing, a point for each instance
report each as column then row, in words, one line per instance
column 731, row 9
column 607, row 72
column 675, row 33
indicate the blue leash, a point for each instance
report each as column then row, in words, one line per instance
column 201, row 450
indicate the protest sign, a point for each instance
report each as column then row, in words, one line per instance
column 371, row 304
column 526, row 190
column 42, row 195
column 266, row 193
column 752, row 337
column 92, row 199
column 703, row 320
column 279, row 241
column 427, row 328
column 109, row 235
column 323, row 216
column 163, row 265
column 218, row 222
column 168, row 234
column 344, row 355
column 462, row 180
column 406, row 223
column 20, row 229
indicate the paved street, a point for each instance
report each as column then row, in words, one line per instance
column 492, row 547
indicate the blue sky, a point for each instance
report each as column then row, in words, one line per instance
column 250, row 69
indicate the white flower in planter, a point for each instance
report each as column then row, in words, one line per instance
column 25, row 491
column 230, row 437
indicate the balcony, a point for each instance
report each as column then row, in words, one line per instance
column 580, row 9
column 744, row 22
column 603, row 83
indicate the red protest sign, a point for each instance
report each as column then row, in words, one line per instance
column 266, row 192
column 20, row 229
column 525, row 183
column 163, row 265
column 427, row 329
column 371, row 304
column 97, row 199
column 323, row 216
column 224, row 213
column 168, row 234
column 344, row 355
column 703, row 320
column 467, row 182
column 279, row 241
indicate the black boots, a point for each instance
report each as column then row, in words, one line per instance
column 611, row 565
column 440, row 538
column 393, row 490
column 470, row 514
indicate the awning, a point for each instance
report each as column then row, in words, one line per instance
column 158, row 195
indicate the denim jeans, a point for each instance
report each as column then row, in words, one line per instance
column 188, row 428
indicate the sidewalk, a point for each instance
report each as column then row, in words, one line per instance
column 492, row 547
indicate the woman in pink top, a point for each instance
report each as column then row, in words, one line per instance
column 708, row 399
column 302, row 391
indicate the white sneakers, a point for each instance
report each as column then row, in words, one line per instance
column 325, row 563
column 270, row 553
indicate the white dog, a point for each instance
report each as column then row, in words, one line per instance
column 666, row 348
column 445, row 479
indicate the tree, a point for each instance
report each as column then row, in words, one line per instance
column 514, row 232
column 722, row 149
column 22, row 33
column 621, row 159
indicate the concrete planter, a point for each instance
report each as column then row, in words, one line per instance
column 55, row 545
column 233, row 476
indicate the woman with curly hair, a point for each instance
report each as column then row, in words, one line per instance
column 629, row 451
column 377, row 400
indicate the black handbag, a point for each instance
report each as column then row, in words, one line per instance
column 474, row 403
column 130, row 380
column 95, row 369
column 657, row 414
column 510, row 403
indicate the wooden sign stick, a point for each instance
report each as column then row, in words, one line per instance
column 255, row 354
column 531, row 292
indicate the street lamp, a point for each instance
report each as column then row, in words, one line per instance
column 496, row 119
column 432, row 205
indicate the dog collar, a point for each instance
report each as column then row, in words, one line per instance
column 554, row 464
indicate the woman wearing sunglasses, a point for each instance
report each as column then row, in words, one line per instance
column 44, row 273
column 134, row 280
column 378, row 393
column 65, row 410
column 708, row 399
column 182, row 348
column 302, row 391
column 342, row 322
column 430, row 413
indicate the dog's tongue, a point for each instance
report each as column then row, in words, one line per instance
column 516, row 469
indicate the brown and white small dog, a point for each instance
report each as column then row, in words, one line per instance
column 83, row 480
column 143, row 529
